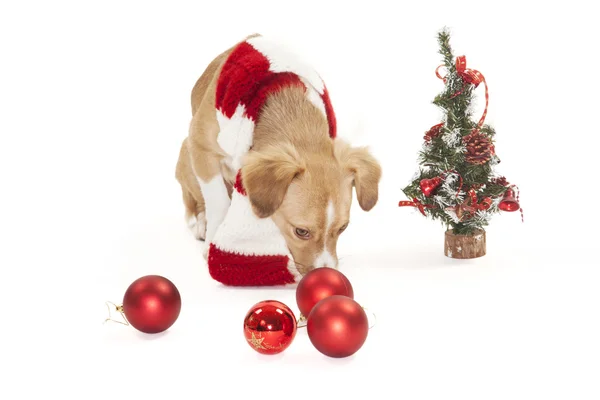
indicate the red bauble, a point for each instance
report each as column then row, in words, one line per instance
column 428, row 186
column 270, row 327
column 337, row 326
column 151, row 304
column 319, row 284
column 509, row 203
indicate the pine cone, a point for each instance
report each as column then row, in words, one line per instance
column 479, row 148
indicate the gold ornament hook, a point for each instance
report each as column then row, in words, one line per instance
column 301, row 323
column 119, row 309
column 374, row 317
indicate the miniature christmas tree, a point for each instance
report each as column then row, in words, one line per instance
column 456, row 183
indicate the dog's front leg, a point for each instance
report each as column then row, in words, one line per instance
column 217, row 203
column 206, row 166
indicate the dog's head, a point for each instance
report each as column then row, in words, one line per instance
column 308, row 196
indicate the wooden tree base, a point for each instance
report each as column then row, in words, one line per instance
column 465, row 246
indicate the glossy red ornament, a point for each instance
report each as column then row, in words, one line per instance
column 428, row 186
column 319, row 284
column 270, row 327
column 151, row 304
column 509, row 203
column 337, row 326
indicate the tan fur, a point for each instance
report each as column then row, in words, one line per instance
column 276, row 164
column 293, row 172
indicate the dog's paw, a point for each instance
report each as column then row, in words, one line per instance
column 197, row 225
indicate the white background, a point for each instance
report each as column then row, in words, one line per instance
column 94, row 104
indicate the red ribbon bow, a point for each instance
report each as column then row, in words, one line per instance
column 469, row 207
column 486, row 202
column 469, row 76
column 415, row 203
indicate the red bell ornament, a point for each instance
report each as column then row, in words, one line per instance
column 428, row 186
column 509, row 203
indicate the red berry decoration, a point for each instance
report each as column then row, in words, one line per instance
column 499, row 181
column 321, row 283
column 270, row 327
column 433, row 132
column 151, row 304
column 337, row 326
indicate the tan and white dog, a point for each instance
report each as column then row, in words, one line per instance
column 263, row 129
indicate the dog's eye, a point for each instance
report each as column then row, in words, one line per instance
column 302, row 233
column 343, row 228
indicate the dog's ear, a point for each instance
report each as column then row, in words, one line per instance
column 363, row 169
column 266, row 176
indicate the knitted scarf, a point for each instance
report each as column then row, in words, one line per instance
column 247, row 250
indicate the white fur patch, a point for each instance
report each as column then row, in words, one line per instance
column 325, row 259
column 191, row 221
column 282, row 60
column 198, row 226
column 217, row 202
column 329, row 217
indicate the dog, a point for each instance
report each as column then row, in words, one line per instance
column 262, row 122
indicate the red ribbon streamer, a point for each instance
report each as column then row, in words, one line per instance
column 518, row 201
column 469, row 76
column 415, row 203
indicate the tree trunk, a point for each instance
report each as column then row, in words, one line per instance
column 464, row 246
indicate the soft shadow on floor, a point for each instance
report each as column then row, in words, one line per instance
column 225, row 288
column 405, row 258
column 149, row 337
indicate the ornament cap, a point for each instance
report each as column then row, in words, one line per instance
column 118, row 309
column 301, row 321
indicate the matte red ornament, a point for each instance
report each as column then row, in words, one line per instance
column 337, row 326
column 270, row 327
column 509, row 203
column 319, row 284
column 428, row 186
column 151, row 304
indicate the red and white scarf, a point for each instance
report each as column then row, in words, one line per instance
column 247, row 250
